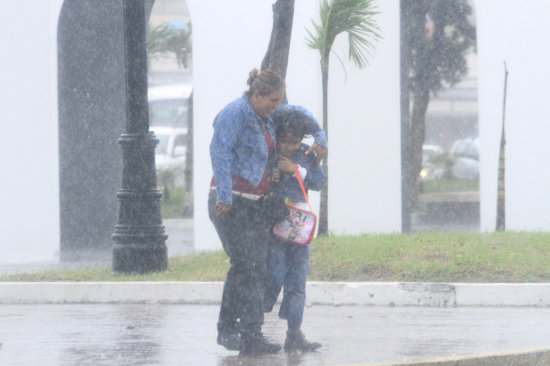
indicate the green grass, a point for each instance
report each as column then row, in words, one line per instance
column 427, row 257
column 450, row 185
column 437, row 257
column 173, row 206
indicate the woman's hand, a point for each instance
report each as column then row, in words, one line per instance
column 319, row 150
column 221, row 209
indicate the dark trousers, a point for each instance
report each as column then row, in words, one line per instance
column 244, row 233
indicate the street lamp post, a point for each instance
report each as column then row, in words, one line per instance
column 139, row 239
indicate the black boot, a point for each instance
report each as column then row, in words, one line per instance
column 295, row 341
column 255, row 343
column 229, row 337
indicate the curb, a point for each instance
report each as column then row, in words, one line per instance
column 527, row 356
column 318, row 293
column 429, row 294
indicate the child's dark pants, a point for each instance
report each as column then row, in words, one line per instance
column 288, row 265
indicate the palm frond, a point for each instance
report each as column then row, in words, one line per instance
column 156, row 38
column 354, row 17
column 163, row 39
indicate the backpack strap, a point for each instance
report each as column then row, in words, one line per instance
column 299, row 177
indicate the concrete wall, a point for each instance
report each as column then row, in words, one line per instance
column 29, row 188
column 513, row 32
column 92, row 116
column 364, row 193
column 364, row 128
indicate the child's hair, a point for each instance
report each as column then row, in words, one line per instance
column 292, row 122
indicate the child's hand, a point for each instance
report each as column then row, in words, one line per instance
column 276, row 175
column 285, row 164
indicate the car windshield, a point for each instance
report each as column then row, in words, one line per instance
column 168, row 113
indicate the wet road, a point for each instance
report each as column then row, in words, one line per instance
column 156, row 334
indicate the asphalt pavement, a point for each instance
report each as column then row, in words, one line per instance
column 171, row 334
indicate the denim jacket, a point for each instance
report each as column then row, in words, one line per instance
column 238, row 146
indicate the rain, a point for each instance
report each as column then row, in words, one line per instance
column 442, row 130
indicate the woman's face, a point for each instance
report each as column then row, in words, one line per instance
column 266, row 104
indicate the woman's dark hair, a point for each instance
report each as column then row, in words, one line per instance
column 265, row 82
column 290, row 121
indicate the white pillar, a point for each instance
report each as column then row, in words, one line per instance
column 29, row 191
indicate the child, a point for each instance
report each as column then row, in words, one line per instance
column 288, row 264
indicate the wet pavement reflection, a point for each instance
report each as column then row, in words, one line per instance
column 157, row 334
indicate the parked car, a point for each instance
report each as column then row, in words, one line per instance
column 465, row 155
column 462, row 160
column 433, row 162
column 169, row 105
column 468, row 148
column 169, row 120
column 172, row 147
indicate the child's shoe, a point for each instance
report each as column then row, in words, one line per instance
column 295, row 341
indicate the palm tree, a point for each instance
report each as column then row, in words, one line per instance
column 501, row 187
column 356, row 18
column 164, row 38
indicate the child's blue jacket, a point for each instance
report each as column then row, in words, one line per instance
column 289, row 187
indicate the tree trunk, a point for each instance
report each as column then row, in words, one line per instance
column 323, row 210
column 188, row 205
column 501, row 188
column 501, row 192
column 426, row 72
column 406, row 194
column 421, row 99
column 276, row 57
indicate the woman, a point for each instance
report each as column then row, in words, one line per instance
column 242, row 152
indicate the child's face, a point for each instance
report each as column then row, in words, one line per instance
column 288, row 144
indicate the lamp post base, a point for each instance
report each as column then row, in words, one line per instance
column 139, row 238
column 140, row 258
